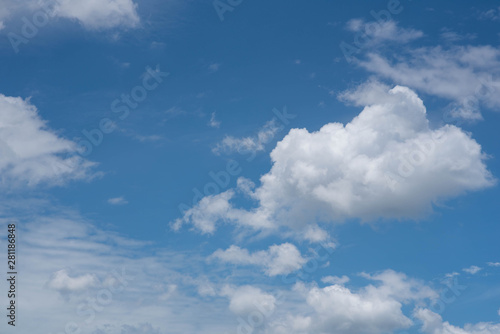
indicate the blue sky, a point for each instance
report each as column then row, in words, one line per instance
column 252, row 167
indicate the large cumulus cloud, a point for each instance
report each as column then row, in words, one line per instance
column 386, row 163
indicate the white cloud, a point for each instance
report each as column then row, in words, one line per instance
column 118, row 201
column 399, row 286
column 99, row 14
column 372, row 309
column 63, row 282
column 386, row 163
column 247, row 299
column 205, row 288
column 175, row 111
column 341, row 311
column 335, row 280
column 277, row 260
column 377, row 32
column 248, row 144
column 492, row 14
column 472, row 270
column 494, row 264
column 30, row 152
column 171, row 289
column 8, row 7
column 92, row 14
column 451, row 275
column 464, row 74
column 433, row 324
column 94, row 269
column 452, row 36
column 214, row 209
column 214, row 123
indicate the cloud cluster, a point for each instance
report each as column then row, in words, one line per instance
column 432, row 323
column 156, row 294
column 30, row 152
column 375, row 308
column 466, row 75
column 100, row 276
column 277, row 260
column 386, row 163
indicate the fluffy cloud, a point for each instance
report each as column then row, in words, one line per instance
column 345, row 171
column 63, row 282
column 467, row 75
column 373, row 309
column 277, row 260
column 341, row 311
column 335, row 280
column 31, row 153
column 432, row 323
column 386, row 163
column 399, row 286
column 213, row 209
column 247, row 299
